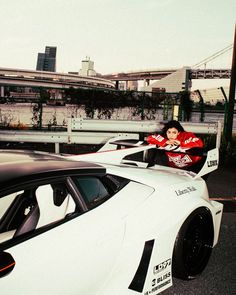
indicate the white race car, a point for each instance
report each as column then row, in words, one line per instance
column 100, row 224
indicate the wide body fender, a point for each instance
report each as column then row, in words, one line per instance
column 154, row 240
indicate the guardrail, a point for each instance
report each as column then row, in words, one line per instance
column 75, row 124
column 89, row 131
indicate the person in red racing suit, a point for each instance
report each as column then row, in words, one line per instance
column 173, row 133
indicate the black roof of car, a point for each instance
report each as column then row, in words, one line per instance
column 7, row 156
column 19, row 164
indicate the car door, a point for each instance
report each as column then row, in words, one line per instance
column 69, row 253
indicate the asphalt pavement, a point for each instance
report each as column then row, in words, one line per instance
column 221, row 185
column 222, row 182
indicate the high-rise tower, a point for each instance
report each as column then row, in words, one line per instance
column 47, row 61
column 87, row 68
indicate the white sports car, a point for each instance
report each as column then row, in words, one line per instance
column 99, row 224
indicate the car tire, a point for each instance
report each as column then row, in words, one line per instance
column 193, row 245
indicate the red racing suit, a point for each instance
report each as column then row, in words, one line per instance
column 187, row 140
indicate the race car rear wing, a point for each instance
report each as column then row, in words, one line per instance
column 211, row 163
column 116, row 151
column 212, row 156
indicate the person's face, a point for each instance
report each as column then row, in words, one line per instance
column 172, row 133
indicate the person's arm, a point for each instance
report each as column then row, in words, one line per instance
column 191, row 140
column 157, row 140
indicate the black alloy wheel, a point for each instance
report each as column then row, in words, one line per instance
column 193, row 245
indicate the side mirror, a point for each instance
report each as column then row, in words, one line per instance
column 7, row 263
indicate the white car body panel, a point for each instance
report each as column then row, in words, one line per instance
column 100, row 251
column 29, row 256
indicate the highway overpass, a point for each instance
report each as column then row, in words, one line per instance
column 158, row 74
column 29, row 78
column 54, row 80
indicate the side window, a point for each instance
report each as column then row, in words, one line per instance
column 6, row 202
column 54, row 202
column 92, row 190
column 27, row 210
column 15, row 208
column 117, row 182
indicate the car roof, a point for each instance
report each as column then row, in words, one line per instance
column 20, row 164
column 7, row 156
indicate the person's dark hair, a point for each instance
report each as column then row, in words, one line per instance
column 172, row 124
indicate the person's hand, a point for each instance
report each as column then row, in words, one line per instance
column 173, row 142
column 176, row 142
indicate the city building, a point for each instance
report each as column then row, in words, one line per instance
column 132, row 85
column 47, row 61
column 175, row 82
column 211, row 96
column 87, row 68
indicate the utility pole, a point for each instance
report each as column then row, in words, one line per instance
column 229, row 123
column 201, row 106
column 226, row 110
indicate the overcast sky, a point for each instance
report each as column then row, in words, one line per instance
column 117, row 35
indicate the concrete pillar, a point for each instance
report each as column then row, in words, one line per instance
column 146, row 82
column 57, row 148
column 176, row 112
column 117, row 85
column 2, row 91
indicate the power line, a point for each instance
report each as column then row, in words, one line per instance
column 215, row 55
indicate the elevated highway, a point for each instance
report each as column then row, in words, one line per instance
column 21, row 77
column 60, row 81
column 159, row 74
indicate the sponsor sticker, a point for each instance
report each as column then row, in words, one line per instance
column 162, row 266
column 186, row 190
column 162, row 272
column 212, row 163
column 180, row 161
column 159, row 283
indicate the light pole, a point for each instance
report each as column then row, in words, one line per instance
column 229, row 123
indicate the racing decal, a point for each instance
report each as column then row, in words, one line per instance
column 186, row 190
column 159, row 283
column 162, row 266
column 162, row 273
column 160, row 279
column 212, row 163
column 138, row 281
column 180, row 161
column 191, row 139
column 158, row 137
